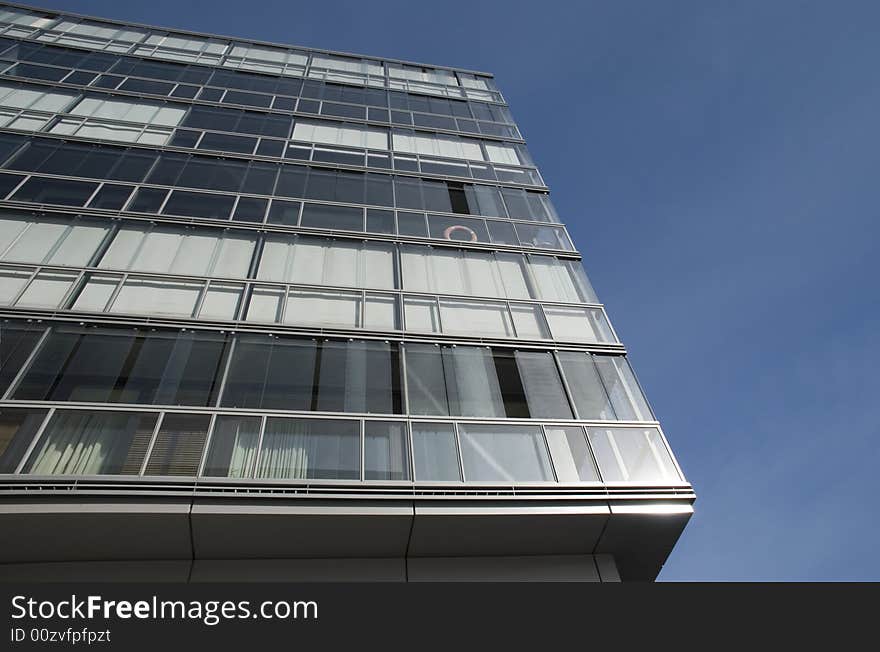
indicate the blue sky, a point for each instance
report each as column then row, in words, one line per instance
column 717, row 165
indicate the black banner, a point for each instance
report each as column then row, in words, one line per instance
column 393, row 616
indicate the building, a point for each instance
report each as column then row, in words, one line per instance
column 278, row 313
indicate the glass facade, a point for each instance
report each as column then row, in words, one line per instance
column 225, row 260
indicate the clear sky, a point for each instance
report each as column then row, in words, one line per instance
column 718, row 165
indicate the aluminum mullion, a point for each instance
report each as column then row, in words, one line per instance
column 27, row 284
column 211, row 425
column 30, row 449
column 455, row 430
column 108, row 307
column 259, row 453
column 362, row 448
column 13, row 385
column 232, row 339
column 565, row 386
column 72, row 291
column 200, row 300
column 153, row 437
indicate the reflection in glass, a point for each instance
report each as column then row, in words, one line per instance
column 435, row 452
column 233, row 447
column 502, row 453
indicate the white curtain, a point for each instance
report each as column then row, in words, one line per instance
column 89, row 443
column 287, row 448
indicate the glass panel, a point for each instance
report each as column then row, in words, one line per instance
column 79, row 245
column 96, row 293
column 476, row 317
column 221, row 301
column 333, row 217
column 179, row 445
column 579, row 324
column 380, row 312
column 359, row 376
column 435, row 453
column 323, row 308
column 12, row 281
column 571, row 454
column 426, row 380
column 554, row 283
column 310, row 448
column 233, row 447
column 502, row 453
column 542, row 385
column 265, row 304
column 529, row 321
column 585, row 385
column 35, row 242
column 156, row 297
column 472, row 382
column 199, row 204
column 271, row 373
column 633, row 455
column 88, row 442
column 47, row 290
column 458, row 380
column 422, row 314
column 17, row 340
column 623, row 390
column 386, row 451
column 17, row 429
column 125, row 366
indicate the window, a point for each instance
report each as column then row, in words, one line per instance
column 271, row 373
column 302, row 374
column 88, row 442
column 571, row 454
column 545, row 237
column 340, row 133
column 46, row 290
column 488, row 318
column 455, row 271
column 323, row 261
column 13, row 280
column 179, row 444
column 326, row 308
column 310, row 449
column 157, row 296
column 502, row 453
column 633, row 455
column 358, row 376
column 482, row 382
column 15, row 96
column 554, row 280
column 126, row 366
column 27, row 239
column 65, row 192
column 17, row 340
column 325, row 216
column 180, row 250
column 18, row 426
column 414, row 142
column 386, row 451
column 578, row 324
column 587, row 390
column 542, row 385
column 233, row 448
column 199, row 204
column 623, row 390
column 435, row 452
